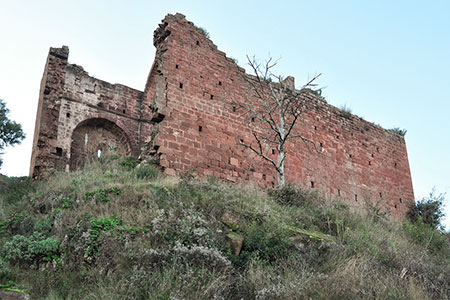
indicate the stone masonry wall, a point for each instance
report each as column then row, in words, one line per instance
column 190, row 83
column 71, row 102
column 182, row 120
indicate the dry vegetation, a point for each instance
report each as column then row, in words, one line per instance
column 115, row 230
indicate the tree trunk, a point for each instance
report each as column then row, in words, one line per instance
column 281, row 177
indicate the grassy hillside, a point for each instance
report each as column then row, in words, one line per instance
column 117, row 231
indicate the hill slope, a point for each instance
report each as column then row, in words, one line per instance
column 117, row 231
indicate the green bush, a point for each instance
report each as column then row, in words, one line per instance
column 34, row 248
column 263, row 243
column 428, row 210
column 44, row 226
column 147, row 172
column 5, row 273
column 98, row 226
column 12, row 224
column 422, row 234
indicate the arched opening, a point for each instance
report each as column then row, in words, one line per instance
column 93, row 138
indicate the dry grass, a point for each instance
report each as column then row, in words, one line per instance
column 163, row 238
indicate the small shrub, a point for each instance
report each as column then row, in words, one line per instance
column 106, row 223
column 44, row 226
column 5, row 273
column 99, row 225
column 345, row 112
column 12, row 224
column 66, row 202
column 263, row 243
column 399, row 131
column 102, row 194
column 429, row 210
column 34, row 248
column 204, row 32
column 147, row 172
column 422, row 234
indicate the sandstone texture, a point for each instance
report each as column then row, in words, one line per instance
column 183, row 121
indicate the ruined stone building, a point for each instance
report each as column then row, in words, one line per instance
column 180, row 120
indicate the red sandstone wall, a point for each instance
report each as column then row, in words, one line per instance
column 185, row 123
column 189, row 83
column 44, row 156
column 69, row 97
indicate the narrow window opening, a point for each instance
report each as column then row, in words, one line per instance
column 242, row 141
column 350, row 155
column 321, row 145
column 212, row 97
column 370, row 163
column 312, row 184
column 351, row 134
column 264, row 176
column 337, row 137
column 200, row 128
column 198, row 43
column 58, row 151
column 395, row 165
column 395, row 206
column 68, row 115
column 356, row 198
column 315, row 127
column 234, row 108
column 124, row 111
column 381, row 195
column 273, row 151
column 378, row 150
column 253, row 119
column 220, row 82
column 372, row 155
column 400, row 200
column 339, row 192
column 181, row 85
column 176, row 66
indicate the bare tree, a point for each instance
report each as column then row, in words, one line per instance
column 272, row 109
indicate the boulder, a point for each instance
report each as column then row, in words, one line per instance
column 236, row 242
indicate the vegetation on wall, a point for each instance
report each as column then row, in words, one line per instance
column 399, row 131
column 119, row 230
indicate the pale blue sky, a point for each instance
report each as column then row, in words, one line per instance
column 386, row 60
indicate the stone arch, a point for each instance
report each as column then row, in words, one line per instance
column 95, row 137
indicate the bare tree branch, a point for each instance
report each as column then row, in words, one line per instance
column 277, row 107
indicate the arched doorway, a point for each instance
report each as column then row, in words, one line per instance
column 93, row 138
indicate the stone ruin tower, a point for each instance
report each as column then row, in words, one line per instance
column 181, row 121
